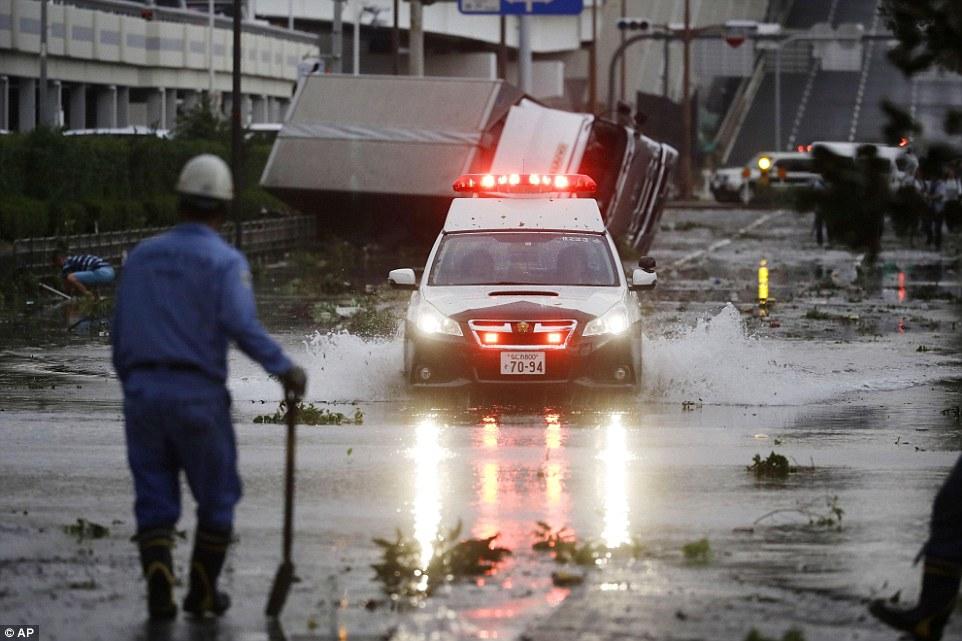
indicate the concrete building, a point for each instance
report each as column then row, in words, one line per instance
column 113, row 64
column 466, row 45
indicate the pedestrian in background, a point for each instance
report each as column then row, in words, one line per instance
column 84, row 272
column 935, row 192
column 942, row 571
column 953, row 199
column 184, row 296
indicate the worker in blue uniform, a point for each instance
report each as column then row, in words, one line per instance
column 942, row 571
column 184, row 295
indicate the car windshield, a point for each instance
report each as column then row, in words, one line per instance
column 524, row 258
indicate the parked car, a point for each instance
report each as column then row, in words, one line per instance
column 765, row 174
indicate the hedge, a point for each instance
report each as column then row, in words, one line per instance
column 52, row 184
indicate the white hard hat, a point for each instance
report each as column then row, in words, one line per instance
column 206, row 176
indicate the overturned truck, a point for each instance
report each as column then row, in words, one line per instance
column 374, row 157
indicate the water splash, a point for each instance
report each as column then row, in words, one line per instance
column 719, row 362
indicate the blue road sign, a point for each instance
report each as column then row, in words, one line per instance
column 518, row 7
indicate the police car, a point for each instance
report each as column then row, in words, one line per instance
column 524, row 286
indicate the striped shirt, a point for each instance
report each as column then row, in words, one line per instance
column 83, row 263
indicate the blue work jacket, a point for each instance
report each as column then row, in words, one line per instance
column 184, row 295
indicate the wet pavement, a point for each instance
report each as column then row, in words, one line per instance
column 850, row 375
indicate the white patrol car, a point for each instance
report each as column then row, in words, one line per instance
column 524, row 286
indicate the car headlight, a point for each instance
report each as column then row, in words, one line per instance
column 614, row 322
column 431, row 321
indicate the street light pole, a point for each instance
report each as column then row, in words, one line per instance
column 337, row 37
column 235, row 125
column 593, row 60
column 778, row 98
column 416, row 40
column 44, row 108
column 686, row 115
column 666, row 68
column 210, row 49
column 396, row 39
column 624, row 79
column 356, row 44
column 503, row 47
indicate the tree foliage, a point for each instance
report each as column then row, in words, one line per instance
column 929, row 34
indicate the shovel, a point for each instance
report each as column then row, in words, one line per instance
column 285, row 572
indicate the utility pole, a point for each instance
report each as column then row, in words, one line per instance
column 686, row 114
column 235, row 126
column 290, row 15
column 416, row 40
column 524, row 52
column 44, row 107
column 337, row 37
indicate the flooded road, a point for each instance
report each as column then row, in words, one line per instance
column 852, row 375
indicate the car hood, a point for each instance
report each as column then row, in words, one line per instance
column 588, row 301
column 729, row 171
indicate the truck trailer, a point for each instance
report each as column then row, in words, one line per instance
column 374, row 157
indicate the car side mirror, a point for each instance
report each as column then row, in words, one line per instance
column 402, row 279
column 647, row 263
column 643, row 279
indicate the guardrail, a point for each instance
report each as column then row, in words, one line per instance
column 260, row 237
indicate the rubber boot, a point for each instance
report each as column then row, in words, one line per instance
column 158, row 566
column 203, row 599
column 925, row 622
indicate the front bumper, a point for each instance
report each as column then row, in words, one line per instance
column 586, row 362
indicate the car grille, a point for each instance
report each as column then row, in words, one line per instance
column 503, row 334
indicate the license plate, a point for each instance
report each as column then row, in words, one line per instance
column 522, row 363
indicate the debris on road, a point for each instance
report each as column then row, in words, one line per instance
column 84, row 529
column 698, row 552
column 310, row 414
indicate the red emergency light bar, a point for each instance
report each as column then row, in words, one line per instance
column 525, row 184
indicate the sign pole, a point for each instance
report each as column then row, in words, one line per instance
column 524, row 52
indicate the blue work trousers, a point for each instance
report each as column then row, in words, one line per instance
column 945, row 532
column 167, row 435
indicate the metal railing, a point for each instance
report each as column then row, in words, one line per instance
column 186, row 16
column 260, row 237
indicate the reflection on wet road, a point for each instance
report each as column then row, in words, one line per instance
column 839, row 384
